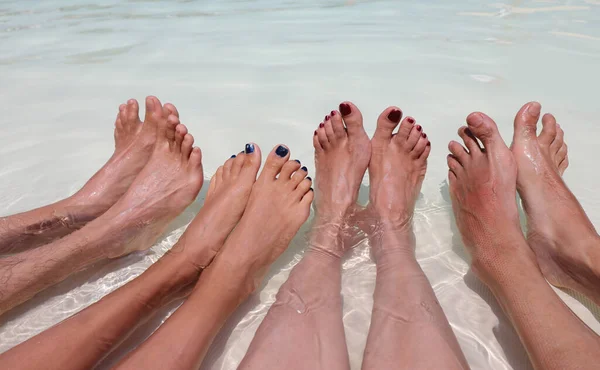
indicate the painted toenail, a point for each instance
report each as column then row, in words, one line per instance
column 326, row 118
column 249, row 148
column 308, row 178
column 424, row 135
column 315, row 133
column 282, row 151
column 410, row 120
column 311, row 189
column 395, row 116
column 332, row 113
column 233, row 156
column 428, row 144
column 321, row 125
column 297, row 160
column 419, row 128
column 345, row 109
column 304, row 169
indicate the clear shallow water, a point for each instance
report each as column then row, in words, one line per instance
column 268, row 71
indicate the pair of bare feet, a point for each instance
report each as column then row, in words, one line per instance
column 484, row 181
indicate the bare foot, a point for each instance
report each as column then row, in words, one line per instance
column 483, row 191
column 563, row 238
column 397, row 169
column 223, row 208
column 134, row 142
column 279, row 204
column 342, row 153
column 169, row 182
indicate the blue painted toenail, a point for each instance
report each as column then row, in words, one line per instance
column 308, row 178
column 233, row 156
column 304, row 169
column 249, row 148
column 282, row 151
column 311, row 189
column 297, row 160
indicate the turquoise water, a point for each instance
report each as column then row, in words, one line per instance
column 268, row 71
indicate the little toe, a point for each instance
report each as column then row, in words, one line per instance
column 317, row 143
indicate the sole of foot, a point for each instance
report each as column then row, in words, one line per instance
column 396, row 172
column 134, row 142
column 559, row 232
column 278, row 205
column 168, row 183
column 482, row 183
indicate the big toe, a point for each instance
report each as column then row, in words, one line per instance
column 252, row 159
column 154, row 111
column 352, row 118
column 275, row 161
column 526, row 121
column 485, row 129
column 387, row 122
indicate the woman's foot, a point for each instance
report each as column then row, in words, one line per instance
column 169, row 183
column 396, row 171
column 483, row 191
column 563, row 238
column 134, row 142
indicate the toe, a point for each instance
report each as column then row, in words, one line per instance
column 211, row 187
column 331, row 137
column 275, row 161
column 337, row 123
column 302, row 187
column 485, row 129
column 386, row 123
column 238, row 161
column 406, row 127
column 195, row 158
column 133, row 111
column 166, row 130
column 458, row 152
column 218, row 177
column 562, row 167
column 559, row 140
column 549, row 129
column 426, row 152
column 420, row 146
column 288, row 169
column 227, row 169
column 470, row 140
column 298, row 176
column 413, row 137
column 180, row 132
column 170, row 109
column 252, row 159
column 455, row 167
column 352, row 118
column 186, row 146
column 322, row 136
column 317, row 143
column 561, row 155
column 307, row 199
column 154, row 110
column 526, row 122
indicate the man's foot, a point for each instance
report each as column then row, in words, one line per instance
column 169, row 183
column 482, row 184
column 279, row 204
column 134, row 142
column 397, row 169
column 563, row 238
column 227, row 196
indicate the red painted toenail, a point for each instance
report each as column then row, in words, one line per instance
column 315, row 132
column 419, row 128
column 345, row 109
column 321, row 125
column 424, row 135
column 326, row 118
column 332, row 113
column 395, row 116
column 410, row 120
column 428, row 144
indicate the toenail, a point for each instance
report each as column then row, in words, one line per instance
column 297, row 160
column 315, row 132
column 282, row 151
column 345, row 109
column 424, row 135
column 308, row 178
column 304, row 169
column 428, row 144
column 249, row 148
column 311, row 189
column 419, row 128
column 534, row 109
column 233, row 156
column 321, row 125
column 326, row 118
column 410, row 120
column 332, row 113
column 395, row 116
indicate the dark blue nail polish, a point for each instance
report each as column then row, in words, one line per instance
column 304, row 169
column 233, row 156
column 297, row 161
column 311, row 189
column 249, row 148
column 280, row 151
column 308, row 178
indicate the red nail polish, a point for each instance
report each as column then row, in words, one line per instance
column 321, row 125
column 345, row 109
column 332, row 113
column 410, row 120
column 428, row 144
column 424, row 135
column 419, row 128
column 315, row 133
column 326, row 118
column 395, row 116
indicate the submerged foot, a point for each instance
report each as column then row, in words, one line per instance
column 134, row 142
column 482, row 184
column 342, row 153
column 563, row 238
column 396, row 171
column 169, row 183
column 279, row 204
